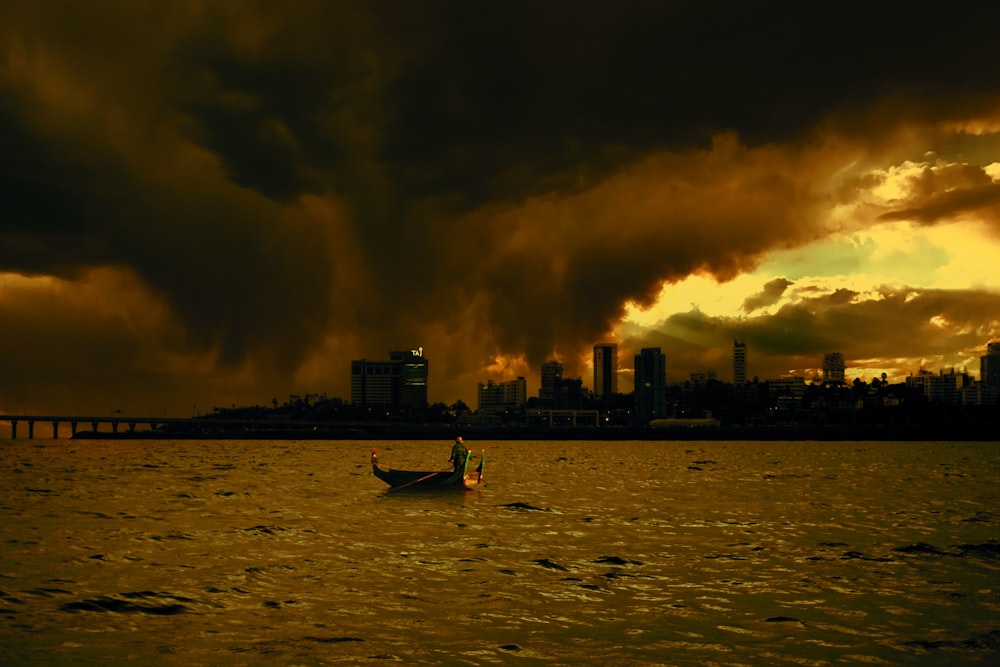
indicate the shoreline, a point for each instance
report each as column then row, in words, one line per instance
column 914, row 432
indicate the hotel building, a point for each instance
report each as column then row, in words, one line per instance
column 398, row 385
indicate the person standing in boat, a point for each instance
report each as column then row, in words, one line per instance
column 458, row 454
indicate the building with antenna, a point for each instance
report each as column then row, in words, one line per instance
column 398, row 385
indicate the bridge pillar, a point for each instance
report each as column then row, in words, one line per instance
column 72, row 429
column 55, row 430
column 131, row 427
column 31, row 429
column 94, row 425
column 13, row 429
column 114, row 427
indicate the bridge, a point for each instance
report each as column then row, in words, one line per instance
column 130, row 423
column 122, row 426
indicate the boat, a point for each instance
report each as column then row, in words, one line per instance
column 437, row 480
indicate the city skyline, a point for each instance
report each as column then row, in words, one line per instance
column 832, row 367
column 228, row 203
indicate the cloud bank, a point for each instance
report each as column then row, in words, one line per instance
column 217, row 202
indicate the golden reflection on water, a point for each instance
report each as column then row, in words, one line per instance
column 257, row 552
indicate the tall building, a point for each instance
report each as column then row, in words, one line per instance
column 515, row 392
column 650, row 395
column 489, row 397
column 739, row 362
column 605, row 369
column 397, row 385
column 941, row 388
column 413, row 378
column 702, row 377
column 989, row 367
column 551, row 375
column 833, row 368
column 568, row 394
column 501, row 396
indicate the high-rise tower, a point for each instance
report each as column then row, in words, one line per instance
column 551, row 375
column 650, row 395
column 739, row 362
column 605, row 369
column 989, row 367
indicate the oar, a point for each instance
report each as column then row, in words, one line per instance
column 403, row 486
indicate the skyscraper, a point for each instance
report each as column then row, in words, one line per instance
column 989, row 367
column 605, row 369
column 650, row 395
column 551, row 374
column 739, row 362
column 412, row 378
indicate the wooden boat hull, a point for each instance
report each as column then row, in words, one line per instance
column 428, row 480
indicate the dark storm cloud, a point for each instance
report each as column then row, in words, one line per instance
column 478, row 102
column 53, row 203
column 771, row 293
column 96, row 177
column 286, row 174
column 76, row 341
column 226, row 261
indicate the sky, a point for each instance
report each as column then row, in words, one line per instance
column 207, row 204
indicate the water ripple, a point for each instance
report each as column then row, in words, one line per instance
column 573, row 553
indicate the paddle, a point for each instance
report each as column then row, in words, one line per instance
column 403, row 486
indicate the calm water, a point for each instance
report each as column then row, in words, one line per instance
column 611, row 553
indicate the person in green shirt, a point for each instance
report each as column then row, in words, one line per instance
column 459, row 454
